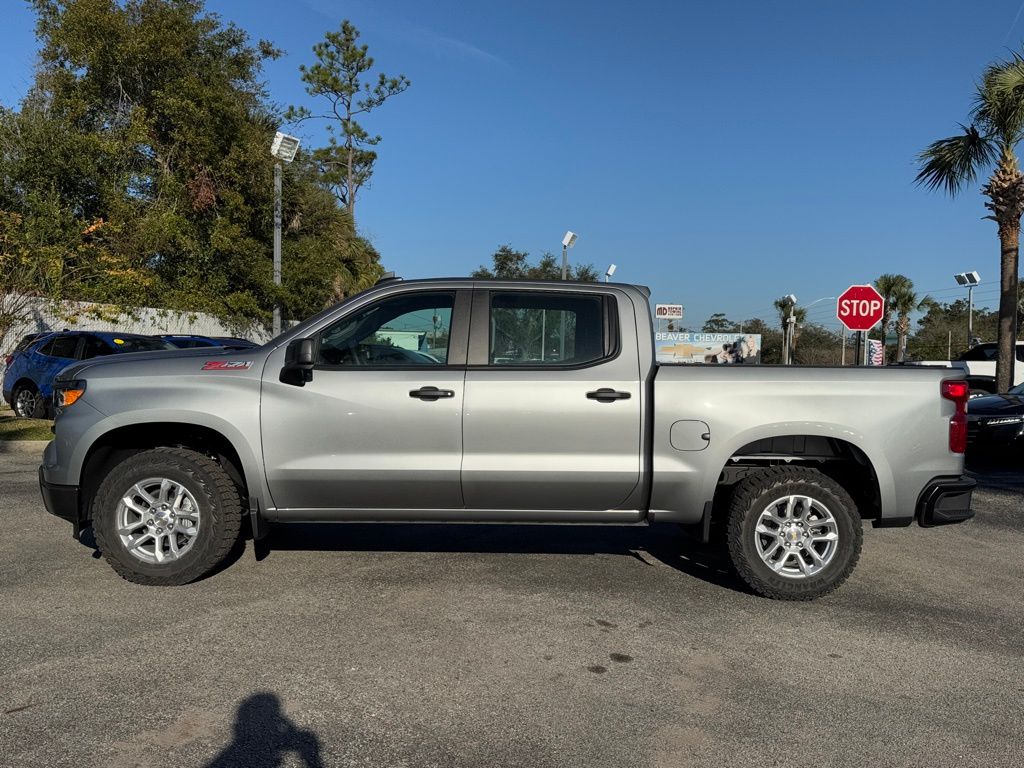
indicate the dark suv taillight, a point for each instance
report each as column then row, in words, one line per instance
column 958, row 392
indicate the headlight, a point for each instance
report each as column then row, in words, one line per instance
column 67, row 393
column 1004, row 420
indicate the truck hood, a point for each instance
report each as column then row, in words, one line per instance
column 157, row 363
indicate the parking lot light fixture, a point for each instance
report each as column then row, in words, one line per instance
column 283, row 149
column 567, row 242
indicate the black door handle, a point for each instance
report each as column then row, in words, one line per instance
column 431, row 394
column 606, row 395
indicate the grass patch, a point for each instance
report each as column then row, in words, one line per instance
column 12, row 428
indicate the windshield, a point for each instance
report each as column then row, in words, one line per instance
column 1018, row 390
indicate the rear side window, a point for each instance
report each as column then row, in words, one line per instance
column 60, row 346
column 24, row 343
column 537, row 329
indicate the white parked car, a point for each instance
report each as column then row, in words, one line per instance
column 979, row 364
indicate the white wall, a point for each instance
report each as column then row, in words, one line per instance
column 81, row 316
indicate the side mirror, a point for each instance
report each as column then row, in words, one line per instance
column 299, row 358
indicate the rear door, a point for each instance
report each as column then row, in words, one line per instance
column 553, row 401
column 379, row 426
column 52, row 357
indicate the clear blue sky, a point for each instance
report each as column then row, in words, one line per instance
column 723, row 153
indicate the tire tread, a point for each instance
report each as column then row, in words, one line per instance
column 747, row 492
column 228, row 511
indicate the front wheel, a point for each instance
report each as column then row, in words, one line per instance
column 793, row 533
column 166, row 516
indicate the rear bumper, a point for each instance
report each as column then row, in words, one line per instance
column 945, row 500
column 62, row 501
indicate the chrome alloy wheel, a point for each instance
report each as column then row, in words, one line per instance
column 157, row 520
column 26, row 402
column 796, row 536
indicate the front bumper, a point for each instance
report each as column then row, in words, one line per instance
column 945, row 500
column 63, row 501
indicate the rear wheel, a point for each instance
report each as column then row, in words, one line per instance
column 793, row 533
column 166, row 516
column 27, row 402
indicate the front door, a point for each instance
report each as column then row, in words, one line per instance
column 553, row 401
column 379, row 426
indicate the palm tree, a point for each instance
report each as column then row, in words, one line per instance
column 904, row 301
column 887, row 285
column 990, row 141
column 785, row 307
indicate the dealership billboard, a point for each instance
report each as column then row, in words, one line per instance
column 668, row 311
column 724, row 348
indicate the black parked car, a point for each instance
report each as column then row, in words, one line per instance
column 995, row 424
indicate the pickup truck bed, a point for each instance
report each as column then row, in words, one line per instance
column 499, row 402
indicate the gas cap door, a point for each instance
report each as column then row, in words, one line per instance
column 690, row 435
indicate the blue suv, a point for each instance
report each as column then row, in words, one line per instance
column 28, row 382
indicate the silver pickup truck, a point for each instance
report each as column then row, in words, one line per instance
column 485, row 401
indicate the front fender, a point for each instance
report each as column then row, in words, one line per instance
column 80, row 427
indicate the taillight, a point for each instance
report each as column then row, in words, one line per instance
column 958, row 392
column 7, row 360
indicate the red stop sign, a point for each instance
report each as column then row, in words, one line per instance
column 860, row 307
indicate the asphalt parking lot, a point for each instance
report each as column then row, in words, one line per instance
column 401, row 645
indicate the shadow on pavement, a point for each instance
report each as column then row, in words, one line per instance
column 665, row 544
column 997, row 474
column 264, row 736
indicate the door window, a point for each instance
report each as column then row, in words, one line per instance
column 94, row 346
column 408, row 330
column 546, row 329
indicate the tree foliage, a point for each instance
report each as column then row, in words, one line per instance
column 719, row 323
column 990, row 142
column 337, row 78
column 510, row 264
column 137, row 170
column 942, row 330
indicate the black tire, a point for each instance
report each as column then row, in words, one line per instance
column 35, row 410
column 752, row 495
column 218, row 498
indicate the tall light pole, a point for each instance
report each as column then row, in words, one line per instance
column 609, row 272
column 970, row 279
column 818, row 301
column 283, row 148
column 787, row 336
column 567, row 242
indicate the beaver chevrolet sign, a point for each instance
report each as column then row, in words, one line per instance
column 723, row 348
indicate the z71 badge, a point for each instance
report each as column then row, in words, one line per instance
column 227, row 365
